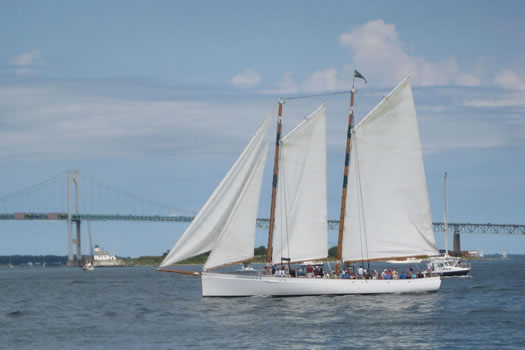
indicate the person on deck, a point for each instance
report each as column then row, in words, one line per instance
column 360, row 272
column 292, row 272
column 395, row 274
column 316, row 271
column 310, row 271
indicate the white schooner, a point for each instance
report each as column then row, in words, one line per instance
column 386, row 214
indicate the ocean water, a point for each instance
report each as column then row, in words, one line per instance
column 140, row 308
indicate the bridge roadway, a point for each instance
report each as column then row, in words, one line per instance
column 261, row 223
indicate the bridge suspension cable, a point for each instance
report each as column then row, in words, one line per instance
column 38, row 197
column 95, row 198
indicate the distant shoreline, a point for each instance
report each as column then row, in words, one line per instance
column 56, row 261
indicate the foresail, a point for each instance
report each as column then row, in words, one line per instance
column 387, row 210
column 237, row 239
column 301, row 231
column 203, row 232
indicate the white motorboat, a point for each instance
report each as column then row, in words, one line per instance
column 246, row 268
column 448, row 266
column 88, row 266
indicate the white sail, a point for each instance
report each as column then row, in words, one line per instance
column 237, row 240
column 203, row 232
column 387, row 208
column 301, row 231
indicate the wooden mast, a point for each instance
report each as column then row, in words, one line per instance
column 269, row 251
column 345, row 183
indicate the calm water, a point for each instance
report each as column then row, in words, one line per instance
column 140, row 308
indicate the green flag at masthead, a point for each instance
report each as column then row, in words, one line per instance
column 359, row 75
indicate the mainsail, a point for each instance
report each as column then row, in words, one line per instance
column 301, row 231
column 204, row 231
column 387, row 208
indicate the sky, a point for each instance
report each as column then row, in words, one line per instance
column 159, row 98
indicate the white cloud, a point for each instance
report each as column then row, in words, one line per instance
column 249, row 78
column 287, row 85
column 321, row 81
column 509, row 79
column 27, row 62
column 380, row 55
column 468, row 80
column 378, row 52
column 65, row 119
column 513, row 99
column 470, row 132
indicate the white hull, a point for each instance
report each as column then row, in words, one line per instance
column 226, row 285
column 451, row 271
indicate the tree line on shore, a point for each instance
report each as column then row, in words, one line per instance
column 259, row 252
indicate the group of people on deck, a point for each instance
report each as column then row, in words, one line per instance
column 348, row 273
column 363, row 273
column 308, row 272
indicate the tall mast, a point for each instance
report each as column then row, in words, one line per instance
column 446, row 215
column 345, row 183
column 269, row 251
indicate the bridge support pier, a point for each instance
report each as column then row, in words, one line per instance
column 73, row 179
column 457, row 242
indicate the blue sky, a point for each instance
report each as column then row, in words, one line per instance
column 159, row 98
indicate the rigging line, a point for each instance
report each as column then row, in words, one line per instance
column 362, row 224
column 316, row 95
column 25, row 191
column 122, row 193
column 279, row 199
column 285, row 203
column 300, row 114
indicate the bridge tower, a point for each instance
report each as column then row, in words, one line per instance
column 73, row 180
column 457, row 241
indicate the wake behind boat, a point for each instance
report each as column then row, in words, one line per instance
column 405, row 261
column 387, row 172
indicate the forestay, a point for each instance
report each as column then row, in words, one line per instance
column 301, row 231
column 202, row 233
column 387, row 209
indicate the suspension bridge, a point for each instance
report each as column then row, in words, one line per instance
column 58, row 198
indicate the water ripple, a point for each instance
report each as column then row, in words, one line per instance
column 140, row 308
